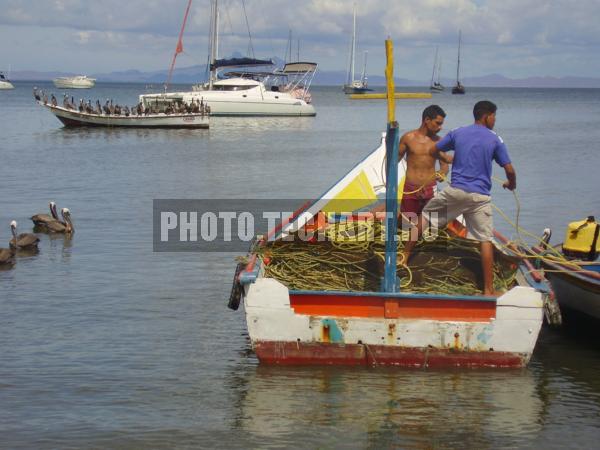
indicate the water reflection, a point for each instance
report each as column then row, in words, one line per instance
column 378, row 408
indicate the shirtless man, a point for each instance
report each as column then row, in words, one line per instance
column 421, row 176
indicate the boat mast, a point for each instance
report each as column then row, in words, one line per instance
column 363, row 78
column 458, row 63
column 439, row 72
column 352, row 49
column 214, row 44
column 434, row 65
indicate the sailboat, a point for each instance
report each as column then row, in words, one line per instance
column 458, row 88
column 436, row 86
column 353, row 86
column 243, row 92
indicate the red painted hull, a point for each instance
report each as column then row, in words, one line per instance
column 299, row 353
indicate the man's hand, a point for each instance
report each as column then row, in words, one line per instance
column 509, row 185
column 511, row 178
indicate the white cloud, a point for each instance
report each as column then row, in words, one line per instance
column 492, row 30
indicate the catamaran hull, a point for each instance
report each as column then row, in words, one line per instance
column 228, row 108
column 350, row 328
column 72, row 118
column 254, row 102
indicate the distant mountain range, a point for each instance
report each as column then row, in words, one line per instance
column 195, row 74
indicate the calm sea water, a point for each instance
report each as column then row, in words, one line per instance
column 105, row 344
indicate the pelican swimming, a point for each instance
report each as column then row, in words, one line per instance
column 41, row 219
column 7, row 257
column 25, row 241
column 57, row 226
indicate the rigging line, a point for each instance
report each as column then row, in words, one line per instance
column 229, row 18
column 250, row 46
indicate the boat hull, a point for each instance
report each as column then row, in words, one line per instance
column 77, row 84
column 6, row 85
column 356, row 90
column 458, row 90
column 251, row 102
column 351, row 328
column 71, row 118
column 575, row 291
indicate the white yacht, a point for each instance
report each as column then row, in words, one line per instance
column 282, row 92
column 76, row 82
column 249, row 94
column 5, row 83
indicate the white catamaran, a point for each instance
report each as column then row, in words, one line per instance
column 282, row 92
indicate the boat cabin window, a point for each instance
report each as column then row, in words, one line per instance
column 231, row 87
column 2, row 76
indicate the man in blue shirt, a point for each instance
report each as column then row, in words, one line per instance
column 475, row 147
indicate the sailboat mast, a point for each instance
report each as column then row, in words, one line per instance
column 364, row 71
column 458, row 63
column 214, row 43
column 434, row 65
column 353, row 45
column 439, row 70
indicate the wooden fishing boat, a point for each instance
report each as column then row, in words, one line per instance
column 577, row 288
column 573, row 268
column 385, row 325
column 75, row 118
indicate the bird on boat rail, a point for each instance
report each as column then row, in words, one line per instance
column 114, row 109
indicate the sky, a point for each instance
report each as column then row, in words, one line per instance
column 515, row 38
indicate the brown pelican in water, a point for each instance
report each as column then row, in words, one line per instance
column 41, row 219
column 65, row 226
column 7, row 257
column 25, row 241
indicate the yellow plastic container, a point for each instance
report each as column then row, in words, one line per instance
column 582, row 237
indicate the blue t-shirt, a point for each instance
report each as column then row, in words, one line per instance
column 475, row 146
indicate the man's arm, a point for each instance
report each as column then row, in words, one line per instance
column 511, row 176
column 442, row 156
column 402, row 147
column 443, row 171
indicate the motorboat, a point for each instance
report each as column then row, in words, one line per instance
column 573, row 268
column 246, row 91
column 76, row 82
column 5, row 83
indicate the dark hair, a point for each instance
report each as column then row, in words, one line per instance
column 482, row 108
column 432, row 111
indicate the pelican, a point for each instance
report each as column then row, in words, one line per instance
column 65, row 226
column 7, row 257
column 546, row 235
column 41, row 219
column 25, row 241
